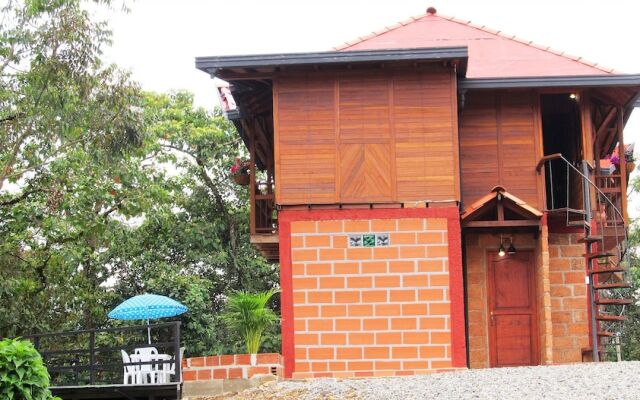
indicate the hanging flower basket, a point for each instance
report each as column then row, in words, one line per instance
column 240, row 171
column 241, row 179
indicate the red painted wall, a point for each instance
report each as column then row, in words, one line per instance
column 458, row 356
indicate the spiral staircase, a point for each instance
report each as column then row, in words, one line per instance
column 594, row 203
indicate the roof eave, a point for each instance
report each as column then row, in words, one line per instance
column 551, row 82
column 217, row 64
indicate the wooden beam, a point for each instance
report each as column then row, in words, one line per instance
column 252, row 183
column 623, row 164
column 606, row 122
column 500, row 207
column 500, row 224
column 265, row 238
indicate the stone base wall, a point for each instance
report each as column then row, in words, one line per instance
column 569, row 299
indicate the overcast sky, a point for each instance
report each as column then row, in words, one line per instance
column 159, row 39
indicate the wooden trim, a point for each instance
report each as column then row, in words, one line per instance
column 492, row 255
column 539, row 143
column 392, row 137
column 501, row 224
column 336, row 134
column 498, row 108
column 276, row 137
column 455, row 136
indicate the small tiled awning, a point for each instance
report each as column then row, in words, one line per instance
column 500, row 209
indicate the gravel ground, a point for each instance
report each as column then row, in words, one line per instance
column 566, row 382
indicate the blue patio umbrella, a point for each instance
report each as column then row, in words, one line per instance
column 147, row 306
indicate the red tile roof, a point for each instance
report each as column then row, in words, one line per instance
column 492, row 54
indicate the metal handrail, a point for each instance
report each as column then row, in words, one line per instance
column 559, row 156
column 94, row 367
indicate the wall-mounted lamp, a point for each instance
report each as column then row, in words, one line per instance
column 573, row 96
column 511, row 250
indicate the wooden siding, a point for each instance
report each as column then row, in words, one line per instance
column 500, row 145
column 366, row 136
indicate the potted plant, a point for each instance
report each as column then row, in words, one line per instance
column 240, row 171
column 631, row 162
column 248, row 314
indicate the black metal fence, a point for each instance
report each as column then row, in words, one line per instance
column 94, row 357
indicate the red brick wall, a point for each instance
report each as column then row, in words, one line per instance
column 361, row 311
column 230, row 366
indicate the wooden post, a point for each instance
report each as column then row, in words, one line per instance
column 252, row 182
column 623, row 165
column 176, row 350
column 92, row 357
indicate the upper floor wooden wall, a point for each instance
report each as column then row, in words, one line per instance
column 387, row 135
column 500, row 144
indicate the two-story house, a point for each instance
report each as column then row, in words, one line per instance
column 439, row 195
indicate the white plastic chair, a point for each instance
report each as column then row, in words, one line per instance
column 170, row 369
column 148, row 372
column 146, row 351
column 131, row 372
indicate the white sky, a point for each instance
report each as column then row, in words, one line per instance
column 159, row 39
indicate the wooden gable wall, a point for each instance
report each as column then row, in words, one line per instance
column 373, row 136
column 500, row 144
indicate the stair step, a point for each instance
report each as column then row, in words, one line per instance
column 607, row 270
column 580, row 223
column 606, row 317
column 590, row 239
column 605, row 334
column 592, row 256
column 611, row 190
column 616, row 285
column 613, row 302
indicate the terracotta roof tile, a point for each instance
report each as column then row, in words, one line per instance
column 483, row 29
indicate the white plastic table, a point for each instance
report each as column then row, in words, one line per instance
column 151, row 372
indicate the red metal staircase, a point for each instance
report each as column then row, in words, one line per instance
column 606, row 252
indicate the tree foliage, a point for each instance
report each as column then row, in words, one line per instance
column 107, row 192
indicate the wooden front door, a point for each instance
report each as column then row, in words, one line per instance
column 513, row 333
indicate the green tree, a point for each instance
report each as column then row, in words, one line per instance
column 195, row 247
column 69, row 126
column 106, row 192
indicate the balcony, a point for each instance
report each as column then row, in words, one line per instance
column 263, row 218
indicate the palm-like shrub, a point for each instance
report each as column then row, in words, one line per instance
column 23, row 376
column 248, row 314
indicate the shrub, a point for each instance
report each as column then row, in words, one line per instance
column 23, row 376
column 248, row 314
